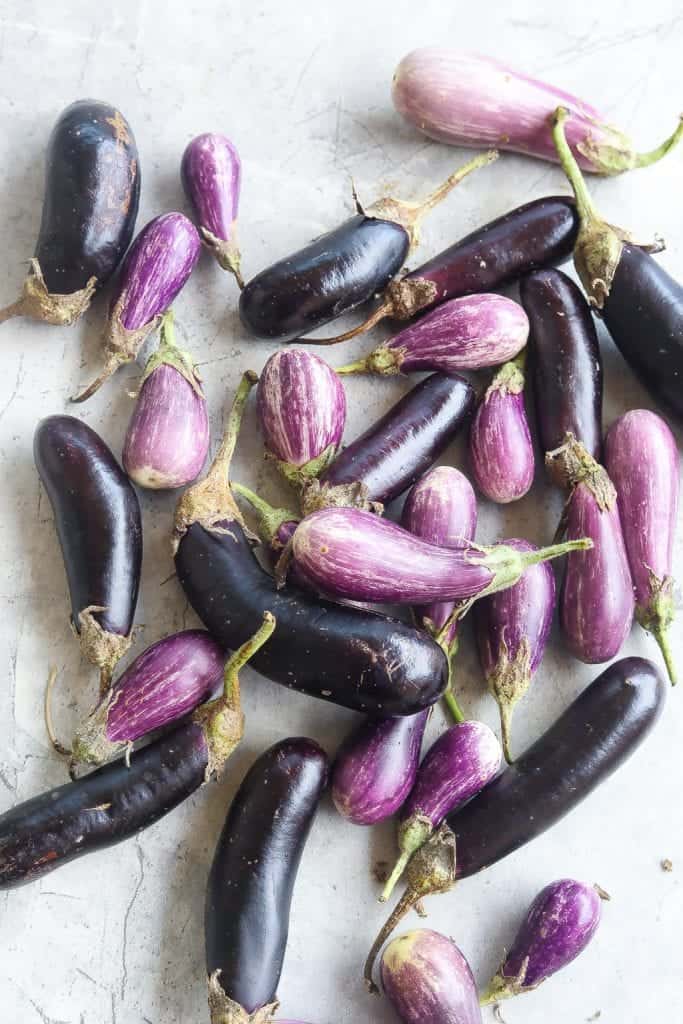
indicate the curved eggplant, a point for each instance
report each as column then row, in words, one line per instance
column 211, row 172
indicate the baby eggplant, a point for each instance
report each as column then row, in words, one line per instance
column 428, row 981
column 92, row 188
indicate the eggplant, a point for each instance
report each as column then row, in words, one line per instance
column 472, row 100
column 560, row 923
column 342, row 268
column 512, row 634
column 395, row 451
column 358, row 659
column 274, row 526
column 97, row 517
column 538, row 234
column 117, row 801
column 376, row 766
column 469, row 333
column 428, row 980
column 500, row 445
column 301, row 405
column 565, row 363
column 635, row 296
column 92, row 189
column 252, row 877
column 462, row 761
column 156, row 268
column 211, row 172
column 642, row 460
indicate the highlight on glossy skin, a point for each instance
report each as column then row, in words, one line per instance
column 558, row 926
column 211, row 172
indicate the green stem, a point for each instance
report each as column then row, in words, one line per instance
column 587, row 210
column 555, row 551
column 451, row 701
column 399, row 868
column 243, row 654
column 269, row 518
column 661, row 635
column 506, row 709
column 646, row 159
column 223, row 457
column 360, row 366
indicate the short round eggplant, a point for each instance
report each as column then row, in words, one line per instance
column 512, row 634
column 167, row 440
column 375, row 767
column 340, row 270
column 355, row 658
column 92, row 188
column 565, row 362
column 558, row 926
column 117, row 801
column 156, row 268
column 97, row 516
column 500, row 445
column 211, row 172
column 428, row 980
column 643, row 462
column 252, row 878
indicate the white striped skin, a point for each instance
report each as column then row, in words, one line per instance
column 212, row 173
column 501, row 449
column 428, row 980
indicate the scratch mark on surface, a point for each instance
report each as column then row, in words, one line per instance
column 304, row 70
column 129, row 908
column 43, row 1016
column 17, row 384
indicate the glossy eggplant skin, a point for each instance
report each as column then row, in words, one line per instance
column 97, row 516
column 254, row 869
column 92, row 190
column 111, row 804
column 585, row 745
column 358, row 659
column 330, row 276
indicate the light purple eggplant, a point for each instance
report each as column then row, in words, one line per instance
column 512, row 634
column 352, row 554
column 642, row 460
column 560, row 923
column 376, row 766
column 164, row 683
column 596, row 598
column 301, row 406
column 471, row 100
column 469, row 333
column 155, row 269
column 211, row 172
column 428, row 980
column 462, row 761
column 501, row 449
column 167, row 440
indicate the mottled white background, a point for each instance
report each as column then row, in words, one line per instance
column 303, row 89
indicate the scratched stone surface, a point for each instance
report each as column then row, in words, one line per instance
column 303, row 90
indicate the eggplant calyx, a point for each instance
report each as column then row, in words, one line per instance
column 37, row 303
column 573, row 464
column 613, row 158
column 226, row 253
column 508, row 683
column 509, row 379
column 101, row 648
column 658, row 615
column 90, row 744
column 224, row 1010
column 413, row 833
column 385, row 361
column 409, row 295
column 317, row 496
column 268, row 519
column 502, row 987
column 168, row 354
column 298, row 476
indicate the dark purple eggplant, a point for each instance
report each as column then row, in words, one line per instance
column 252, row 877
column 396, row 450
column 565, row 363
column 428, row 981
column 375, row 767
column 118, row 800
column 342, row 268
column 97, row 516
column 355, row 658
column 635, row 296
column 92, row 188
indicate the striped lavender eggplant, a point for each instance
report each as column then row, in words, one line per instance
column 463, row 760
column 157, row 266
column 559, row 924
column 428, row 980
column 376, row 766
column 472, row 100
column 512, row 633
column 211, row 173
column 167, row 440
column 468, row 333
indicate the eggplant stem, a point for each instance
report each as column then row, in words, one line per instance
column 269, row 518
column 406, row 903
column 555, row 551
column 506, row 710
column 646, row 159
column 47, row 708
column 661, row 635
column 243, row 654
column 14, row 309
column 382, row 311
column 112, row 363
column 359, row 366
column 223, row 457
column 587, row 210
column 451, row 703
column 397, row 871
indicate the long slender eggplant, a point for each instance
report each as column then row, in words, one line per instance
column 97, row 516
column 92, row 188
column 252, row 877
column 565, row 363
column 117, row 801
column 375, row 767
column 211, row 172
column 635, row 296
column 396, row 450
column 538, row 234
column 355, row 658
column 642, row 460
column 343, row 268
column 428, row 980
column 156, row 268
